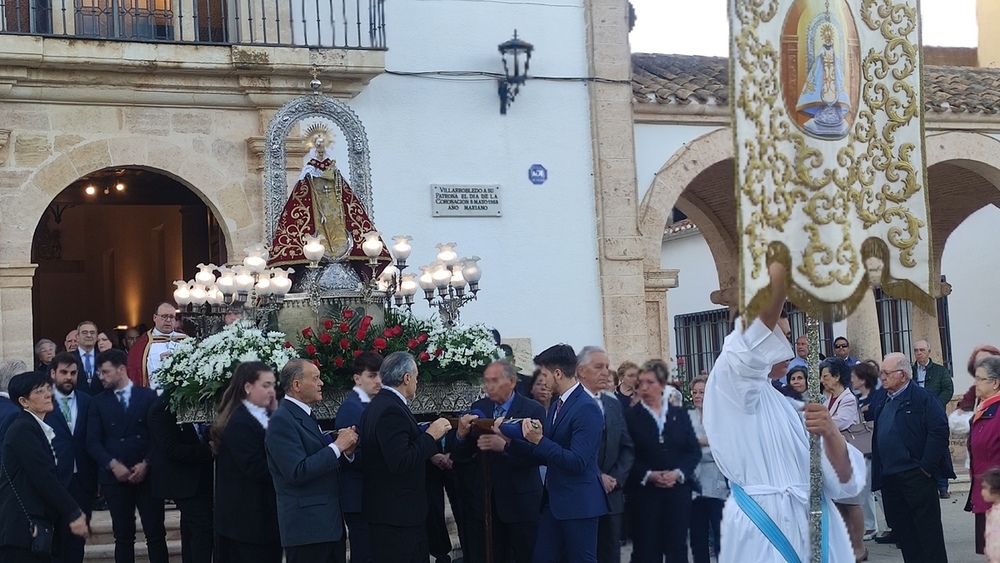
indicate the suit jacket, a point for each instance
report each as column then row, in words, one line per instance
column 114, row 433
column 71, row 446
column 396, row 451
column 29, row 466
column 921, row 426
column 243, row 484
column 569, row 449
column 516, row 483
column 306, row 475
column 8, row 414
column 938, row 381
column 92, row 387
column 679, row 448
column 616, row 453
column 349, row 414
column 181, row 462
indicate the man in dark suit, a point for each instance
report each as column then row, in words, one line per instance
column 118, row 440
column 305, row 467
column 615, row 454
column 8, row 408
column 88, row 378
column 515, row 486
column 367, row 384
column 182, row 466
column 76, row 469
column 935, row 379
column 568, row 447
column 909, row 448
column 394, row 494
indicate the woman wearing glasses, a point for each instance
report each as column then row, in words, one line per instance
column 984, row 438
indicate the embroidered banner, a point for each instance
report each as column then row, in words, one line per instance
column 830, row 174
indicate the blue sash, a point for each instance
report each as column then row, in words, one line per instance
column 771, row 530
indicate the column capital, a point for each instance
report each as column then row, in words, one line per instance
column 17, row 275
column 727, row 297
column 660, row 280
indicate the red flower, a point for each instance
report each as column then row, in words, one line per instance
column 380, row 344
column 316, row 363
column 412, row 343
column 344, row 327
column 307, row 332
column 325, row 338
column 388, row 333
column 438, row 352
column 366, row 322
column 288, row 344
column 421, row 338
column 680, row 361
column 339, row 362
column 361, row 334
column 397, row 330
column 424, row 356
column 345, row 343
column 310, row 349
column 328, row 324
column 358, row 353
column 347, row 314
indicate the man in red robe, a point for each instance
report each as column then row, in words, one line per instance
column 147, row 354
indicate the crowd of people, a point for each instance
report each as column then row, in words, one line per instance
column 567, row 464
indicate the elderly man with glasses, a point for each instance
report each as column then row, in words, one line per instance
column 147, row 354
column 910, row 447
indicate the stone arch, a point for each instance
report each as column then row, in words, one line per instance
column 226, row 195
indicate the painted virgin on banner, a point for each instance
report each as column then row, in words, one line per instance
column 830, row 174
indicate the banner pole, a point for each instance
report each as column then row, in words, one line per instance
column 815, row 464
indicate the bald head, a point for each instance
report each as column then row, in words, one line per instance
column 921, row 351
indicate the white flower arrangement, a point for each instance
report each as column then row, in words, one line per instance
column 198, row 370
column 464, row 347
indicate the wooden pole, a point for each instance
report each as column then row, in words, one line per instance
column 487, row 507
column 815, row 464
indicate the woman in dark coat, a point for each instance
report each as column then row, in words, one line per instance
column 29, row 487
column 246, row 512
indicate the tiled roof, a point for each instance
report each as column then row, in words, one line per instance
column 678, row 227
column 688, row 79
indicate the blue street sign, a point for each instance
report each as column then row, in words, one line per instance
column 538, row 174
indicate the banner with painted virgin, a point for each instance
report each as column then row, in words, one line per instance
column 830, row 174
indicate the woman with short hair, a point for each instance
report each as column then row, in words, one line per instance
column 45, row 350
column 628, row 374
column 706, row 508
column 984, row 438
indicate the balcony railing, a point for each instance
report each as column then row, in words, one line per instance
column 346, row 24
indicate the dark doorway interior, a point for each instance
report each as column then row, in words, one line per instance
column 110, row 245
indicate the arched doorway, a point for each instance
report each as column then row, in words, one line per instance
column 109, row 245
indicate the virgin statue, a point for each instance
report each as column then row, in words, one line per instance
column 322, row 204
column 825, row 97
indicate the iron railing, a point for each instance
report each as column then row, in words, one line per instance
column 699, row 337
column 896, row 326
column 347, row 24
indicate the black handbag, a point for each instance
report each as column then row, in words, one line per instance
column 42, row 531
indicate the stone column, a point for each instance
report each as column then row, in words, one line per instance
column 620, row 247
column 15, row 311
column 657, row 283
column 863, row 330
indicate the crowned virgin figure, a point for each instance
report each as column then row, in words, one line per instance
column 322, row 204
column 824, row 96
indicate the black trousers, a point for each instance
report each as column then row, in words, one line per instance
column 123, row 499
column 661, row 524
column 396, row 544
column 10, row 554
column 912, row 505
column 233, row 551
column 359, row 537
column 70, row 548
column 328, row 552
column 514, row 541
column 609, row 535
column 197, row 527
column 706, row 520
column 438, row 539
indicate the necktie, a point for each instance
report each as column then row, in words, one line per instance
column 88, row 365
column 121, row 399
column 66, row 412
column 558, row 408
column 498, row 411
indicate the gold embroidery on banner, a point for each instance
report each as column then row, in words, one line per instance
column 875, row 181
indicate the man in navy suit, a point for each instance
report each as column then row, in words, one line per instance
column 568, row 447
column 9, row 411
column 305, row 467
column 88, row 378
column 515, row 483
column 118, row 440
column 367, row 384
column 74, row 466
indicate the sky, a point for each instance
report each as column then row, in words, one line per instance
column 699, row 27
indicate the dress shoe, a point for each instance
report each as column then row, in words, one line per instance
column 944, row 494
column 885, row 538
column 869, row 535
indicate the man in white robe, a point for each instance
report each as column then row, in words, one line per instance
column 761, row 443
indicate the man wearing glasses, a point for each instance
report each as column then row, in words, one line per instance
column 842, row 349
column 147, row 354
column 909, row 448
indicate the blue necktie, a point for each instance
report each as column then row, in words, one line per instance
column 498, row 411
column 121, row 399
column 88, row 365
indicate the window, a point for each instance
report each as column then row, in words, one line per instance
column 125, row 19
column 895, row 326
column 699, row 339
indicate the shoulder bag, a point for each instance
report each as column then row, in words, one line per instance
column 859, row 435
column 42, row 531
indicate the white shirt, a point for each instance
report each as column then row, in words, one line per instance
column 309, row 411
column 759, row 441
column 565, row 397
column 398, row 394
column 73, row 412
column 50, row 434
column 93, row 362
column 259, row 413
column 125, row 392
column 596, row 396
column 156, row 349
column 361, row 393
